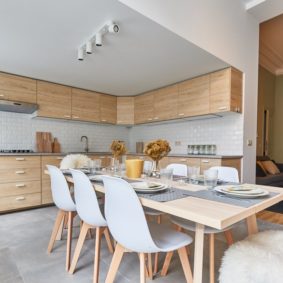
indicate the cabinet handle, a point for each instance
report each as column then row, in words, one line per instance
column 103, row 120
column 20, row 198
column 2, row 95
column 20, row 185
column 67, row 116
column 156, row 118
column 205, row 161
column 222, row 108
column 181, row 114
column 149, row 119
column 76, row 117
column 20, row 159
column 59, row 158
column 20, row 172
column 183, row 159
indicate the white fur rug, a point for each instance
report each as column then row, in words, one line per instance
column 257, row 259
column 74, row 161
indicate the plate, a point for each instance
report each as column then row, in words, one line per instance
column 148, row 187
column 242, row 191
column 97, row 178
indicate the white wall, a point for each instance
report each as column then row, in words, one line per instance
column 17, row 131
column 225, row 132
column 226, row 30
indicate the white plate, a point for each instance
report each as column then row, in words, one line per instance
column 97, row 178
column 242, row 192
column 148, row 187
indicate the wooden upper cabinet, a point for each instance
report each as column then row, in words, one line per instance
column 144, row 107
column 16, row 88
column 194, row 97
column 54, row 100
column 226, row 91
column 125, row 110
column 108, row 108
column 85, row 105
column 166, row 103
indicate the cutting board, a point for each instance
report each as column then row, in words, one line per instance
column 44, row 142
column 56, row 146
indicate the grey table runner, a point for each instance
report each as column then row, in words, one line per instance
column 174, row 193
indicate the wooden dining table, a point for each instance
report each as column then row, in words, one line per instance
column 206, row 212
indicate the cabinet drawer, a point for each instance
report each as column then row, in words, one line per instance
column 178, row 160
column 13, row 189
column 13, row 162
column 206, row 163
column 49, row 160
column 20, row 201
column 193, row 162
column 46, row 196
column 19, row 174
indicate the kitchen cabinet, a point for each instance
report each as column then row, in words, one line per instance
column 226, row 91
column 108, row 108
column 54, row 100
column 85, row 105
column 125, row 110
column 144, row 107
column 16, row 88
column 193, row 99
column 166, row 103
column 20, row 182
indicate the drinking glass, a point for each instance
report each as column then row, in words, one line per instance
column 166, row 176
column 193, row 174
column 91, row 166
column 210, row 178
column 97, row 164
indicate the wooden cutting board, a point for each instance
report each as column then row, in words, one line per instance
column 56, row 146
column 44, row 142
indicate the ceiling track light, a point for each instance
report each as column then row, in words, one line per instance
column 109, row 27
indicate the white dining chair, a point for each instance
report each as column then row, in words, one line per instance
column 178, row 169
column 127, row 223
column 226, row 174
column 89, row 211
column 67, row 209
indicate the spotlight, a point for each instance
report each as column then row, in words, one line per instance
column 113, row 28
column 89, row 47
column 80, row 54
column 98, row 39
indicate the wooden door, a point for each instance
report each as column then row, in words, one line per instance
column 54, row 100
column 85, row 105
column 16, row 88
column 125, row 110
column 166, row 103
column 108, row 108
column 194, row 97
column 144, row 107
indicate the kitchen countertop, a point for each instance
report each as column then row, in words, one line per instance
column 130, row 153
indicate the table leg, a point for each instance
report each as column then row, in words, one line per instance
column 252, row 224
column 198, row 261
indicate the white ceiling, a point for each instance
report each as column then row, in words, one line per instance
column 39, row 39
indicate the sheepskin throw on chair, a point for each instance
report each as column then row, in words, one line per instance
column 74, row 161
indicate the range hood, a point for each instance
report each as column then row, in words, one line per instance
column 17, row 107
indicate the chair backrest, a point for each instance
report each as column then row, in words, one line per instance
column 60, row 189
column 227, row 174
column 147, row 166
column 86, row 200
column 178, row 169
column 125, row 216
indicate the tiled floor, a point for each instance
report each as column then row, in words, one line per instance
column 23, row 258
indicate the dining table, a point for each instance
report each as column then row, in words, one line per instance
column 194, row 205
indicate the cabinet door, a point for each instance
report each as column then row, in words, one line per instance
column 85, row 105
column 166, row 103
column 54, row 100
column 226, row 91
column 194, row 97
column 108, row 108
column 16, row 88
column 206, row 163
column 144, row 106
column 125, row 110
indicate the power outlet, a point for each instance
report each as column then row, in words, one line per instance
column 178, row 143
column 249, row 142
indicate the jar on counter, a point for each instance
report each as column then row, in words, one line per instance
column 190, row 149
column 196, row 149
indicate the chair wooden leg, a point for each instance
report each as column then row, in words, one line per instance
column 211, row 258
column 82, row 237
column 149, row 266
column 58, row 221
column 69, row 239
column 61, row 229
column 185, row 264
column 155, row 270
column 98, row 234
column 108, row 240
column 142, row 268
column 116, row 259
column 166, row 263
column 229, row 237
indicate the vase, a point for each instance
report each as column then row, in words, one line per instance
column 155, row 169
column 114, row 164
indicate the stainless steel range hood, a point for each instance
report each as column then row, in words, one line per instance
column 17, row 107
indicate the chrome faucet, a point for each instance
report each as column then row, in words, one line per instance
column 86, row 142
